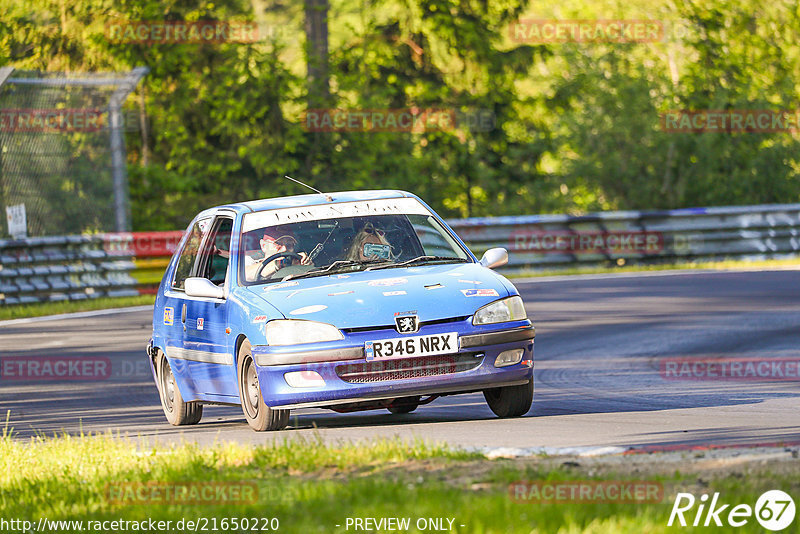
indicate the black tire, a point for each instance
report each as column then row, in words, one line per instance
column 510, row 401
column 259, row 416
column 404, row 405
column 178, row 411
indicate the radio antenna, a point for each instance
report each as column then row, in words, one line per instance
column 327, row 196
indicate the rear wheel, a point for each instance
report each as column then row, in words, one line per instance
column 259, row 416
column 510, row 401
column 404, row 405
column 178, row 411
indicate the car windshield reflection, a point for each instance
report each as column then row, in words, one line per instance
column 322, row 247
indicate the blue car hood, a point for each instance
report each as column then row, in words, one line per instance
column 370, row 299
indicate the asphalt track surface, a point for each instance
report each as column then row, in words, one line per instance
column 600, row 375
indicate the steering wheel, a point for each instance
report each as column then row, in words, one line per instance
column 269, row 260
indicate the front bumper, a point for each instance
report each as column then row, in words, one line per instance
column 471, row 368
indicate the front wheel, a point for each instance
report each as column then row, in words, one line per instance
column 259, row 416
column 178, row 411
column 510, row 401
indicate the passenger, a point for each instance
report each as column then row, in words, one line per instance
column 370, row 244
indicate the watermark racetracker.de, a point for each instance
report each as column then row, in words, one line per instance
column 63, row 120
column 727, row 369
column 188, row 32
column 194, row 524
column 414, row 120
column 182, row 493
column 587, row 242
column 730, row 121
column 141, row 244
column 579, row 491
column 71, row 369
column 604, row 31
column 540, row 31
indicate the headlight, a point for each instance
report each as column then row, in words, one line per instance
column 501, row 311
column 294, row 332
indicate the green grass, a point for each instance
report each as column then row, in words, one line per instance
column 311, row 486
column 54, row 308
column 718, row 265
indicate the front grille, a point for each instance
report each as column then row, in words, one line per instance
column 406, row 368
column 358, row 329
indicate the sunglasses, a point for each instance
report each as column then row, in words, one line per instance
column 284, row 240
column 369, row 229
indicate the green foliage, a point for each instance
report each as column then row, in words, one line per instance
column 733, row 55
column 576, row 128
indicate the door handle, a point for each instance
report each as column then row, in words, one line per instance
column 183, row 316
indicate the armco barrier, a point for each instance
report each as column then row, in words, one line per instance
column 696, row 234
column 80, row 267
column 62, row 268
column 150, row 252
column 142, row 244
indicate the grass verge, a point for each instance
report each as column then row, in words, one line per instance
column 55, row 308
column 310, row 486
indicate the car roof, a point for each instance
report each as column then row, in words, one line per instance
column 310, row 200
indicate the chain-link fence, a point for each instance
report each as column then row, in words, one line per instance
column 62, row 150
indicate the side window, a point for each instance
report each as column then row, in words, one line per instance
column 433, row 238
column 189, row 253
column 217, row 252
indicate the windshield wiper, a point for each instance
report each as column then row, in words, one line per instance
column 419, row 259
column 340, row 264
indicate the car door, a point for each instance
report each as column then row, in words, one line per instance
column 206, row 319
column 175, row 305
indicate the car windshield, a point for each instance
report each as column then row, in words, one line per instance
column 338, row 238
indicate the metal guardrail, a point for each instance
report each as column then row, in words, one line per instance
column 539, row 242
column 150, row 251
column 81, row 267
column 62, row 268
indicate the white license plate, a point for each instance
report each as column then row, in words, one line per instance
column 412, row 346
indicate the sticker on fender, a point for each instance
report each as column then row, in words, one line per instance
column 410, row 347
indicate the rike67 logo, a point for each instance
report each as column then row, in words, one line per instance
column 774, row 510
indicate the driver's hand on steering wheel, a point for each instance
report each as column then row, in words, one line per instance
column 280, row 263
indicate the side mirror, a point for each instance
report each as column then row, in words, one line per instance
column 203, row 287
column 494, row 257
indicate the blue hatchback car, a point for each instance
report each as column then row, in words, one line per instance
column 348, row 301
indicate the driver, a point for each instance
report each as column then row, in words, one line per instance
column 274, row 241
